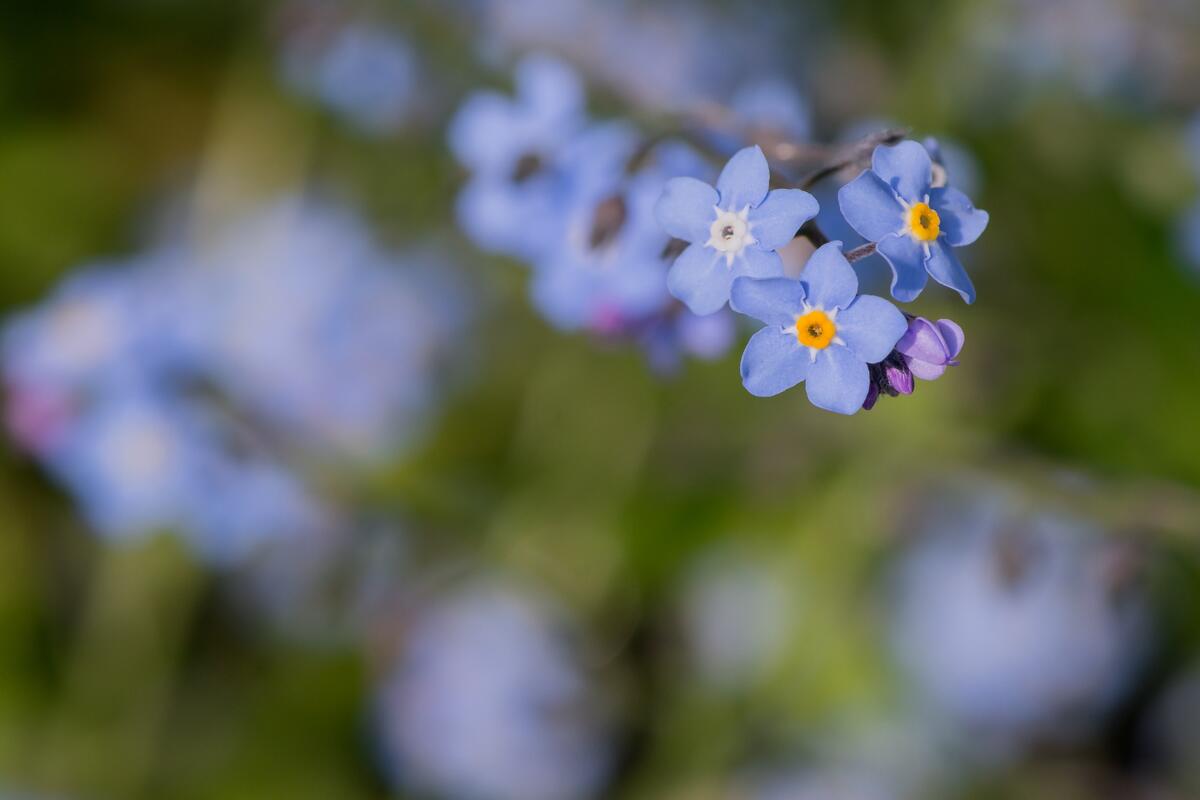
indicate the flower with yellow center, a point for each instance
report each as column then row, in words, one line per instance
column 924, row 224
column 815, row 329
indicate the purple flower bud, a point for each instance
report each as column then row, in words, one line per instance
column 929, row 347
column 872, row 396
column 898, row 377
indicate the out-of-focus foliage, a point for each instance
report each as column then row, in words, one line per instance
column 532, row 563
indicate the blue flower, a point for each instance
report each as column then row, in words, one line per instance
column 322, row 333
column 733, row 230
column 370, row 76
column 532, row 725
column 513, row 203
column 141, row 459
column 819, row 330
column 915, row 225
column 773, row 106
column 609, row 270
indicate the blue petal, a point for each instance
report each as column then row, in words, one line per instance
column 907, row 260
column 685, row 209
column 838, row 381
column 906, row 167
column 562, row 295
column 828, row 278
column 870, row 327
column 947, row 270
column 483, row 134
column 776, row 221
column 495, row 214
column 774, row 361
column 700, row 279
column 961, row 222
column 550, row 88
column 871, row 207
column 775, row 301
column 774, row 105
column 757, row 263
column 744, row 180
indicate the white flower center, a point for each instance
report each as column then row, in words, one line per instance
column 730, row 233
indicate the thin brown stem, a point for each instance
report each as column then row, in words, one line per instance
column 860, row 252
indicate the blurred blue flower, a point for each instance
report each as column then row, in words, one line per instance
column 733, row 230
column 101, row 323
column 774, row 107
column 512, row 146
column 915, row 226
column 819, row 331
column 359, row 69
column 736, row 610
column 370, row 76
column 953, row 164
column 1018, row 626
column 164, row 393
column 838, row 783
column 489, row 701
column 611, row 271
column 140, row 461
column 669, row 338
column 324, row 335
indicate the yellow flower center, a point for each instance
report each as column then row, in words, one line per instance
column 815, row 329
column 923, row 222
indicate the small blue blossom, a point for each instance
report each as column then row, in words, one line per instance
column 107, row 318
column 368, row 75
column 323, row 334
column 513, row 203
column 610, row 270
column 733, row 230
column 1014, row 624
column 529, row 726
column 914, row 224
column 772, row 106
column 140, row 460
column 819, row 330
column 952, row 164
column 671, row 337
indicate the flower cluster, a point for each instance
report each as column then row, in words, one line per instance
column 198, row 372
column 575, row 198
column 628, row 238
column 847, row 348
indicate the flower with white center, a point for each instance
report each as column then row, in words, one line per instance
column 730, row 233
column 734, row 229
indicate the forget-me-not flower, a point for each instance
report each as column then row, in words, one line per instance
column 1018, row 626
column 512, row 145
column 819, row 330
column 490, row 699
column 610, row 271
column 733, row 230
column 915, row 225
